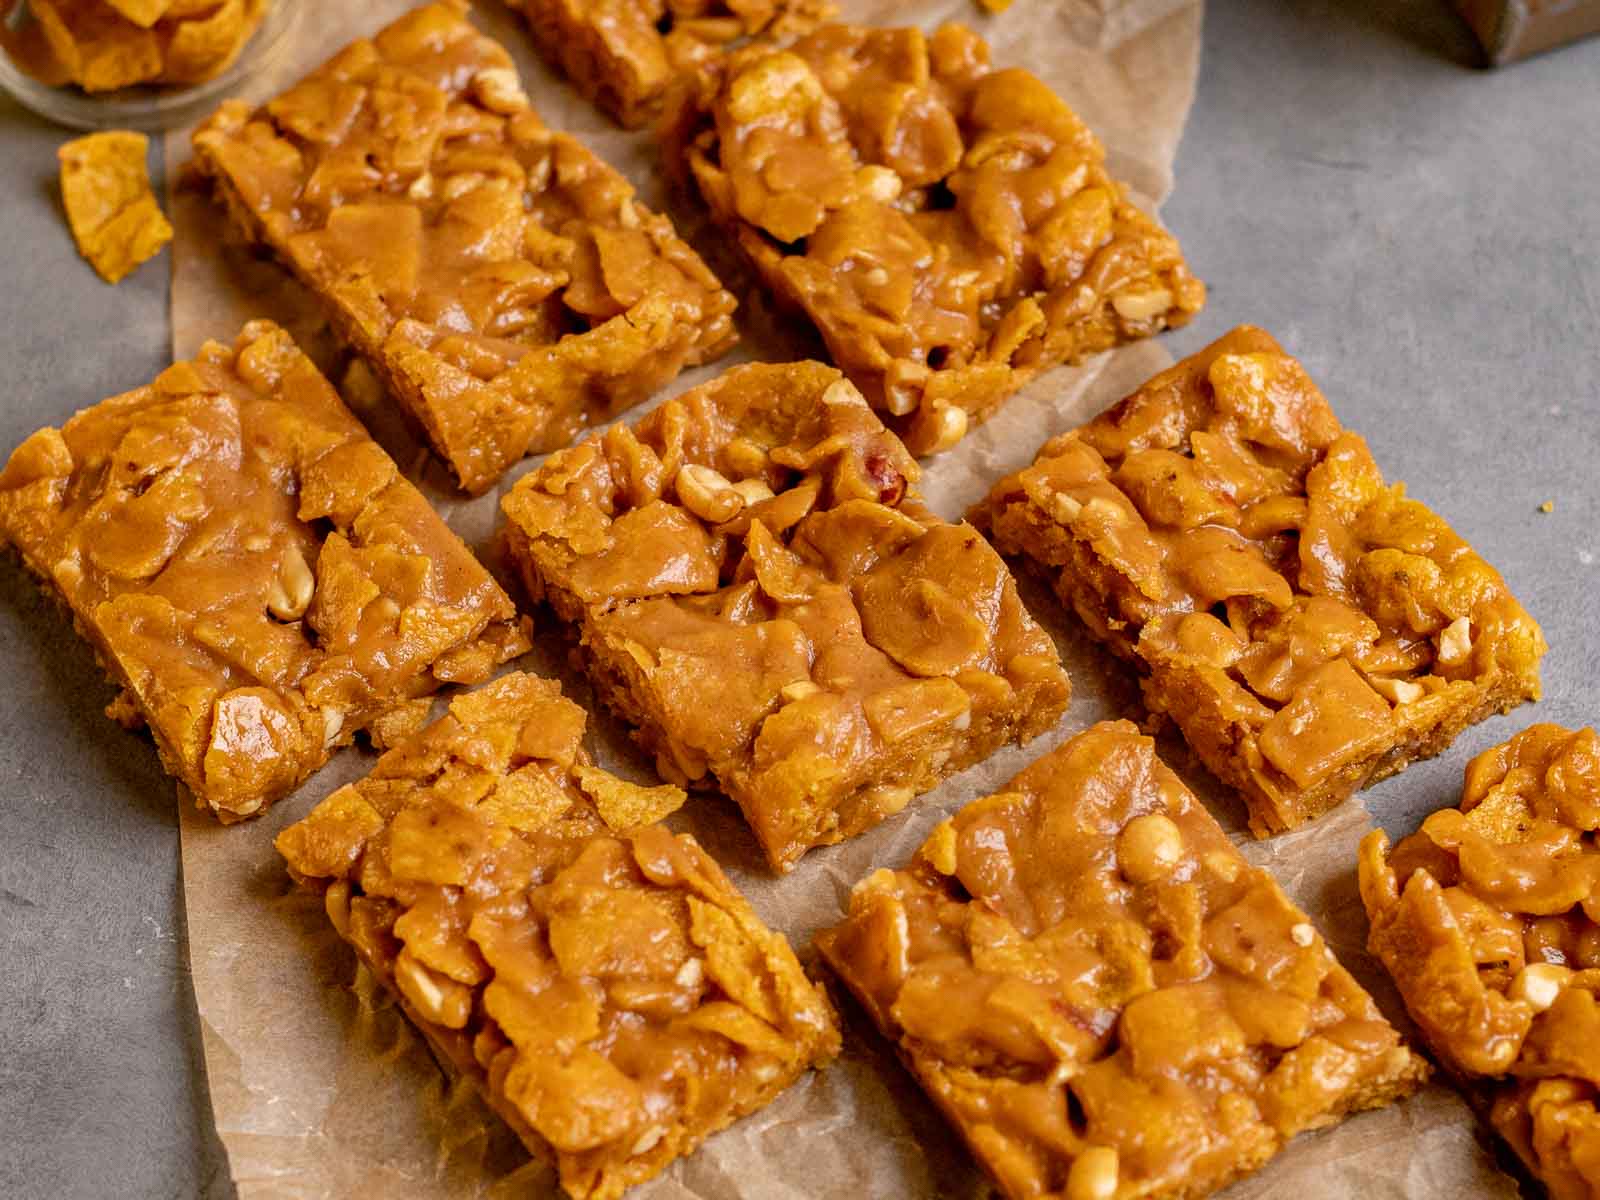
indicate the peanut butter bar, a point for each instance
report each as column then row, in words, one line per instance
column 611, row 994
column 499, row 278
column 251, row 569
column 1486, row 918
column 624, row 54
column 1100, row 993
column 1309, row 628
column 949, row 228
column 761, row 593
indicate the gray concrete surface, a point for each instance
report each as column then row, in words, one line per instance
column 1424, row 235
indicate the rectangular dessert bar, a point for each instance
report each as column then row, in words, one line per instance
column 624, row 54
column 949, row 228
column 608, row 990
column 762, row 595
column 1100, row 993
column 499, row 278
column 1485, row 918
column 251, row 569
column 1309, row 628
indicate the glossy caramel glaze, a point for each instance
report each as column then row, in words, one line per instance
column 1488, row 917
column 499, row 278
column 623, row 54
column 1100, row 993
column 762, row 594
column 1310, row 628
column 601, row 980
column 949, row 227
column 251, row 568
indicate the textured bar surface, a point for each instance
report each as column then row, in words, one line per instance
column 624, row 54
column 251, row 569
column 949, row 228
column 610, row 992
column 1309, row 628
column 1100, row 993
column 1486, row 918
column 762, row 595
column 500, row 279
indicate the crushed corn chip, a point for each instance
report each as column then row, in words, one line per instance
column 205, row 47
column 103, row 45
column 114, row 216
column 626, row 806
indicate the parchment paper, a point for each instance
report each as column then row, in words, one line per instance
column 321, row 1090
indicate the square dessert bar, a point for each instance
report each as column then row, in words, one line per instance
column 499, row 278
column 600, row 980
column 1100, row 993
column 251, row 569
column 1309, row 628
column 1486, row 918
column 623, row 55
column 762, row 595
column 949, row 228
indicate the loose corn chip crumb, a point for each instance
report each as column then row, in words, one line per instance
column 994, row 6
column 626, row 806
column 113, row 213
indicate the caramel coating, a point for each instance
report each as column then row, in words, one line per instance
column 613, row 995
column 623, row 54
column 1094, row 1028
column 1309, row 628
column 251, row 568
column 500, row 279
column 949, row 228
column 762, row 595
column 1487, row 919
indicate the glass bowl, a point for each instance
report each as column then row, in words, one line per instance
column 151, row 106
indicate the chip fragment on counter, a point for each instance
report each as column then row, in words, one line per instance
column 111, row 209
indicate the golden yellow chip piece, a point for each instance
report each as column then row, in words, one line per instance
column 205, row 46
column 143, row 13
column 113, row 213
column 626, row 806
column 99, row 48
column 103, row 45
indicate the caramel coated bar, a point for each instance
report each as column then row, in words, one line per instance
column 499, row 278
column 251, row 568
column 624, row 54
column 1486, row 919
column 612, row 995
column 948, row 227
column 1099, row 992
column 1310, row 628
column 762, row 595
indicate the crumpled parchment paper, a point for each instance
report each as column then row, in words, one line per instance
column 321, row 1090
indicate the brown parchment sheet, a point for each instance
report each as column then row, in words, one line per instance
column 319, row 1087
